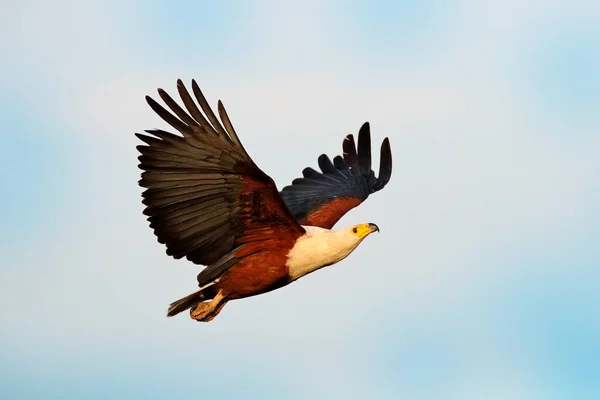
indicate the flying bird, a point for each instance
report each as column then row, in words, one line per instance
column 208, row 201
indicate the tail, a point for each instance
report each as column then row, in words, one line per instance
column 185, row 303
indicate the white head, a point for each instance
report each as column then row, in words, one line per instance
column 347, row 239
column 321, row 247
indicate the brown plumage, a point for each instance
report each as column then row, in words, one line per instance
column 329, row 213
column 207, row 201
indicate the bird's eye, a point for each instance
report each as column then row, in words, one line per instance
column 354, row 230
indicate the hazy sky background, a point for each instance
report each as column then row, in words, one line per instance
column 484, row 282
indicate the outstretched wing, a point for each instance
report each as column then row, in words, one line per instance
column 322, row 198
column 205, row 198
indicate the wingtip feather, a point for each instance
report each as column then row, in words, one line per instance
column 385, row 166
column 364, row 149
column 349, row 150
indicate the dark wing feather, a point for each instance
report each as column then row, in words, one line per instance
column 205, row 198
column 322, row 198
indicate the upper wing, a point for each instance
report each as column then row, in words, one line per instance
column 322, row 198
column 204, row 196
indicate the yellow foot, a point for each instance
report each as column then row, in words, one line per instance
column 208, row 310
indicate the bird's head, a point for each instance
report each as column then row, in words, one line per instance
column 347, row 239
column 363, row 230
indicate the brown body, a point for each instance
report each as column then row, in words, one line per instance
column 257, row 273
column 253, row 275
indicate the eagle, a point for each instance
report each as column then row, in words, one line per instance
column 208, row 201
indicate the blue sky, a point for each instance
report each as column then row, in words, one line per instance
column 484, row 282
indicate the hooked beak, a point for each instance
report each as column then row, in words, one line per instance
column 373, row 228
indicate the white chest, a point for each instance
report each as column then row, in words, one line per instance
column 318, row 248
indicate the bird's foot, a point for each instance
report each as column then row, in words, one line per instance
column 208, row 310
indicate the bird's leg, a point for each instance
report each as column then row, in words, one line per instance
column 208, row 310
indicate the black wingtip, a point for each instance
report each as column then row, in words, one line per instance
column 195, row 85
column 349, row 149
column 166, row 115
column 339, row 163
column 154, row 104
column 309, row 172
column 143, row 138
column 326, row 165
column 385, row 164
column 164, row 95
column 364, row 149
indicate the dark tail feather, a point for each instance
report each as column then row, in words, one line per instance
column 185, row 303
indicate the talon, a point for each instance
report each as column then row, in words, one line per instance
column 208, row 310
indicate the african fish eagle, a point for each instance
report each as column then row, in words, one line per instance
column 208, row 201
